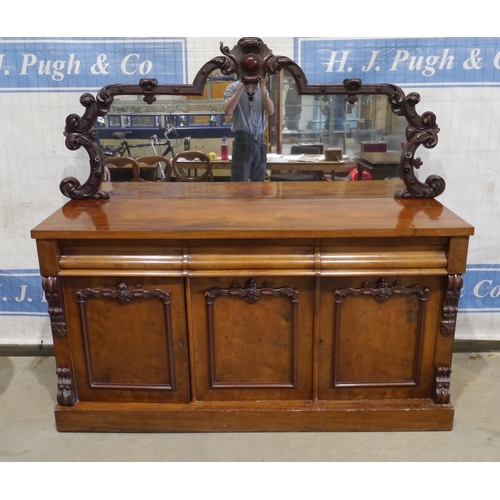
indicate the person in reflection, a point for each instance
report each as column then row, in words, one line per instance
column 293, row 107
column 335, row 107
column 249, row 155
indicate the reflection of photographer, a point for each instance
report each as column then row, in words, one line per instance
column 249, row 158
column 293, row 107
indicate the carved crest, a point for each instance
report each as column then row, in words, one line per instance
column 382, row 291
column 251, row 293
column 122, row 294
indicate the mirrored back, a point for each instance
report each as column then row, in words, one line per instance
column 371, row 131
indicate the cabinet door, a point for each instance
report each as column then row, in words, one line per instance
column 128, row 338
column 378, row 337
column 252, row 338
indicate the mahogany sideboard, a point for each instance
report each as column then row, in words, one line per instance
column 320, row 306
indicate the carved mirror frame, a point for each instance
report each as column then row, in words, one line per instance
column 251, row 60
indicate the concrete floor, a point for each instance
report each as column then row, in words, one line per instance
column 28, row 434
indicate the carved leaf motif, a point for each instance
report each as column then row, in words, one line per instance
column 66, row 395
column 251, row 293
column 53, row 293
column 450, row 305
column 122, row 294
column 381, row 292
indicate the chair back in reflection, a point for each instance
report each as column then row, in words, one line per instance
column 184, row 172
column 160, row 164
column 131, row 168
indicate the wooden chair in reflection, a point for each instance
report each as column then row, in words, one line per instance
column 131, row 168
column 298, row 176
column 182, row 169
column 160, row 164
column 159, row 168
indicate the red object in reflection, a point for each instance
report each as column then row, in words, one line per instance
column 365, row 176
column 224, row 149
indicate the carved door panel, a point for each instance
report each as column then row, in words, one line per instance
column 252, row 338
column 128, row 339
column 378, row 337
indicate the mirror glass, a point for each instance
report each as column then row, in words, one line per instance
column 168, row 126
column 366, row 134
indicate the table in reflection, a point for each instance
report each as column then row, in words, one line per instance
column 384, row 165
column 275, row 164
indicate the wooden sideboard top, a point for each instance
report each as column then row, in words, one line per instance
column 249, row 215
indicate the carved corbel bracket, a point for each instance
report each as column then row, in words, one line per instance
column 441, row 395
column 66, row 395
column 149, row 85
column 450, row 305
column 53, row 293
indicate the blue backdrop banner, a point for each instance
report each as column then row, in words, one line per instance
column 21, row 292
column 481, row 291
column 62, row 64
column 404, row 61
